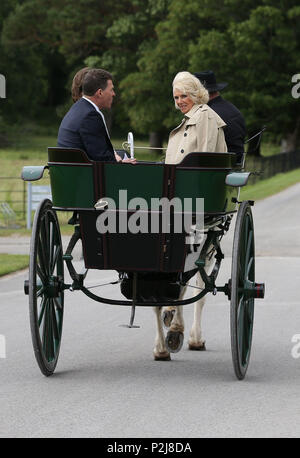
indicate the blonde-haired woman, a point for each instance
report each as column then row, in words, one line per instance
column 201, row 129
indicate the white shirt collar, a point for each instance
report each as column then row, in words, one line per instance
column 100, row 112
column 94, row 105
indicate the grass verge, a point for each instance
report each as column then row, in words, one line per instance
column 270, row 186
column 12, row 262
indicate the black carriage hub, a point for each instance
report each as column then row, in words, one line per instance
column 253, row 290
column 26, row 287
column 53, row 287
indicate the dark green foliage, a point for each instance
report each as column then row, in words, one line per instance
column 251, row 44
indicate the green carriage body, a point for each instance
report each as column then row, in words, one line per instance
column 77, row 183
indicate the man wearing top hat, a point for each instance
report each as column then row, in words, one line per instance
column 235, row 130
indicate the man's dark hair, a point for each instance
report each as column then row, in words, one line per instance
column 95, row 79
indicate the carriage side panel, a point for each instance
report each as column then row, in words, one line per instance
column 206, row 184
column 144, row 181
column 72, row 186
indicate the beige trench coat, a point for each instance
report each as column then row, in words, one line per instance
column 200, row 131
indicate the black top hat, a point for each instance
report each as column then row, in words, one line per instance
column 208, row 80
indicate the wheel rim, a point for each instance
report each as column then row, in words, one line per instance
column 46, row 288
column 245, row 312
column 242, row 287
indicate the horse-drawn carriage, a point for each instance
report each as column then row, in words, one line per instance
column 153, row 265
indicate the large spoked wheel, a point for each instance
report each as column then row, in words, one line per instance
column 45, row 287
column 243, row 290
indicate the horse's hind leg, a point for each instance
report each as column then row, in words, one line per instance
column 175, row 336
column 160, row 351
column 168, row 315
column 196, row 342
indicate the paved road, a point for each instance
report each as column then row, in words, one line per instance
column 107, row 385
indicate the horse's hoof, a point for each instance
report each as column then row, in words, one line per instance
column 197, row 347
column 168, row 317
column 163, row 356
column 174, row 341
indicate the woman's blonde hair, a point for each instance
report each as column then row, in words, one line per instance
column 188, row 84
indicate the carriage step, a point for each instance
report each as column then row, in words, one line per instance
column 130, row 325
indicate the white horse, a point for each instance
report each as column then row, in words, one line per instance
column 173, row 319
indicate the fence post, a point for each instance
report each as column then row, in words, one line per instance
column 29, row 199
column 24, row 199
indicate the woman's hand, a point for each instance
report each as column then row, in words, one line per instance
column 129, row 160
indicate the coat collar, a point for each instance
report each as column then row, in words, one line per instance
column 194, row 113
column 192, row 117
column 194, row 110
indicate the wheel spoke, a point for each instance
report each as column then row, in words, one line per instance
column 244, row 331
column 251, row 263
column 44, row 237
column 43, row 307
column 248, row 250
column 51, row 244
column 57, row 303
column 51, row 333
column 42, row 257
column 50, row 347
column 40, row 291
column 56, row 333
column 45, row 339
column 55, row 257
column 40, row 274
column 46, row 222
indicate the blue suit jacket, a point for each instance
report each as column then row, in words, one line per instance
column 83, row 128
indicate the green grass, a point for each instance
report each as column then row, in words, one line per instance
column 12, row 262
column 270, row 186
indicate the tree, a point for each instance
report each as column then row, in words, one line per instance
column 34, row 67
column 6, row 6
column 60, row 37
column 253, row 45
column 130, row 36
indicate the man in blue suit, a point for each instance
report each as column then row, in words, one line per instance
column 84, row 127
